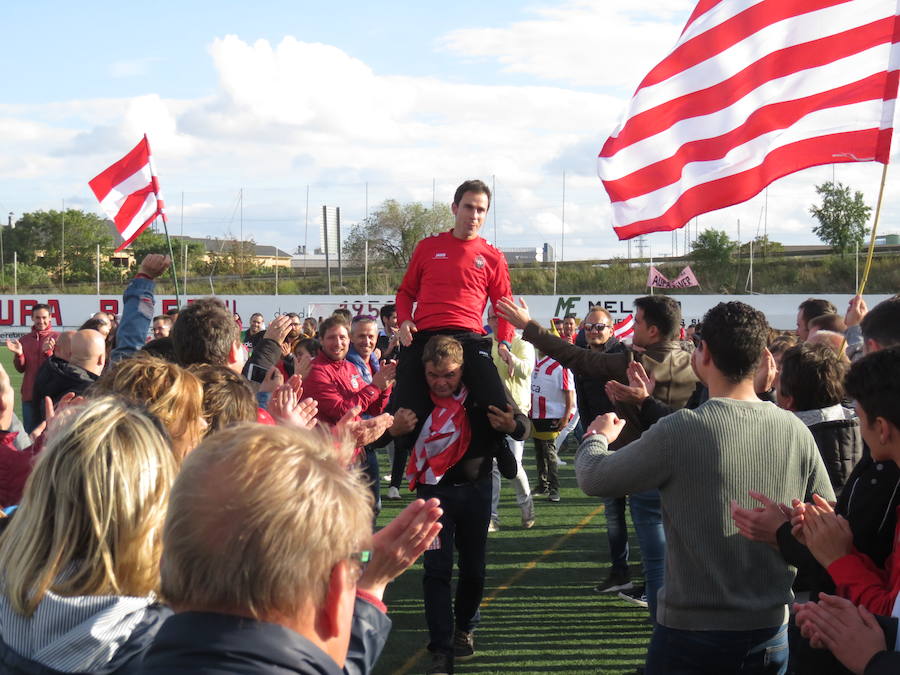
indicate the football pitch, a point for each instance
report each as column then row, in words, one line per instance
column 540, row 613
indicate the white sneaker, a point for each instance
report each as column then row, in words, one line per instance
column 393, row 493
column 494, row 525
column 387, row 478
column 562, row 462
column 528, row 516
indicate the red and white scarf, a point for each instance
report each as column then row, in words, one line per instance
column 442, row 442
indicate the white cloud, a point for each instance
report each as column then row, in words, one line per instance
column 290, row 114
column 612, row 43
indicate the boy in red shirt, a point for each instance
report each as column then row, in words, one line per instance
column 874, row 383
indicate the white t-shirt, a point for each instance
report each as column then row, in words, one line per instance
column 549, row 382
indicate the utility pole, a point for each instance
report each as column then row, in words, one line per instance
column 62, row 249
column 242, row 234
column 494, row 206
column 562, row 248
column 306, row 231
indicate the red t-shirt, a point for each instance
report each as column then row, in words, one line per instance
column 451, row 280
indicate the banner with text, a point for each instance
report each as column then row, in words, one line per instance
column 70, row 311
column 687, row 278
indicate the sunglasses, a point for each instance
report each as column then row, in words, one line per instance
column 595, row 326
column 362, row 559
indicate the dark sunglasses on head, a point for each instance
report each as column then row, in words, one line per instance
column 595, row 326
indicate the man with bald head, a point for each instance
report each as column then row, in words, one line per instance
column 78, row 361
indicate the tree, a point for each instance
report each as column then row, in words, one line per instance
column 38, row 240
column 394, row 230
column 762, row 247
column 713, row 247
column 155, row 242
column 842, row 218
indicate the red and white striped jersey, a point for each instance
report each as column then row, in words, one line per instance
column 549, row 381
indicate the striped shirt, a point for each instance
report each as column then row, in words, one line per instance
column 549, row 382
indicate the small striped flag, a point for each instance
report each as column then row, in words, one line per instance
column 128, row 192
column 623, row 328
column 753, row 90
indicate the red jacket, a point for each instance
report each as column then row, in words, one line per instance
column 452, row 280
column 32, row 358
column 15, row 467
column 858, row 579
column 337, row 386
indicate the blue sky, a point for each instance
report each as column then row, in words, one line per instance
column 79, row 50
column 400, row 98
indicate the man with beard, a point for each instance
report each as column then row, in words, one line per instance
column 657, row 323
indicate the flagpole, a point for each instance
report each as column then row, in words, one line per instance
column 868, row 267
column 172, row 266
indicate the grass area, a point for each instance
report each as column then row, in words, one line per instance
column 540, row 613
column 6, row 359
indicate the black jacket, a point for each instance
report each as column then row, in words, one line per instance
column 265, row 355
column 55, row 379
column 486, row 444
column 841, row 447
column 869, row 502
column 590, row 392
column 216, row 644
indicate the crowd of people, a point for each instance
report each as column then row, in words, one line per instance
column 183, row 495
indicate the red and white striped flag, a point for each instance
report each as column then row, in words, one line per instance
column 623, row 328
column 128, row 192
column 753, row 90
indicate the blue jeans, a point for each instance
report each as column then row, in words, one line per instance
column 28, row 416
column 467, row 512
column 617, row 534
column 646, row 514
column 718, row 652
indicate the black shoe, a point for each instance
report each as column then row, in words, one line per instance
column 441, row 664
column 636, row 596
column 553, row 496
column 463, row 645
column 541, row 490
column 615, row 582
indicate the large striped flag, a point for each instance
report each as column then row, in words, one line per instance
column 753, row 90
column 128, row 192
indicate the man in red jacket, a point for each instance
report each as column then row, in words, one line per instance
column 336, row 384
column 31, row 352
column 450, row 278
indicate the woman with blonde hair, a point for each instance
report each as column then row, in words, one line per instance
column 168, row 391
column 79, row 561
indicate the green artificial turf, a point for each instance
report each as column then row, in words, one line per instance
column 540, row 613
